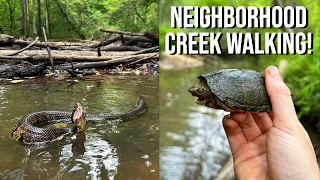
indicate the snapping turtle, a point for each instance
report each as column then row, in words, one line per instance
column 232, row 90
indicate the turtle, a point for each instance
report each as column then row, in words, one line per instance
column 232, row 90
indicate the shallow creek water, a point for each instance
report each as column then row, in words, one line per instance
column 105, row 151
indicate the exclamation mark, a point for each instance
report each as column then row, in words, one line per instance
column 310, row 43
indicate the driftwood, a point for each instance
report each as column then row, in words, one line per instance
column 59, row 58
column 126, row 40
column 148, row 50
column 25, row 48
column 142, row 60
column 41, row 45
column 73, row 62
column 107, row 42
column 113, row 62
column 122, row 48
column 38, row 44
column 134, row 39
column 121, row 32
column 21, row 70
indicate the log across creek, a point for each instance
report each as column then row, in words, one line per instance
column 31, row 57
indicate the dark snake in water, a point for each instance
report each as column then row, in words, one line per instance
column 41, row 127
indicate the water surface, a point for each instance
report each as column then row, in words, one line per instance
column 105, row 151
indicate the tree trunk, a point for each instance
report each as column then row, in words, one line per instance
column 27, row 20
column 22, row 21
column 34, row 17
column 39, row 18
column 11, row 19
column 47, row 18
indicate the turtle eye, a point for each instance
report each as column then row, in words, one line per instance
column 200, row 90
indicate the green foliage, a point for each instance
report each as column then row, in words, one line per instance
column 87, row 15
column 133, row 15
column 303, row 72
column 302, row 76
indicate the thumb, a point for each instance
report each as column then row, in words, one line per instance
column 280, row 97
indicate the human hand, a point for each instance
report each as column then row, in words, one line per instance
column 271, row 145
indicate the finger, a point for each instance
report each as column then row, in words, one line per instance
column 263, row 120
column 249, row 127
column 280, row 97
column 270, row 115
column 307, row 137
column 234, row 133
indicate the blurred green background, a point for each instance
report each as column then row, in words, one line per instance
column 302, row 74
column 71, row 19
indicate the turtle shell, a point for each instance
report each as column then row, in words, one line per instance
column 240, row 89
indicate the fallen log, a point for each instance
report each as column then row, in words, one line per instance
column 41, row 45
column 126, row 40
column 23, row 58
column 21, row 70
column 133, row 39
column 113, row 62
column 154, row 37
column 148, row 50
column 53, row 46
column 121, row 32
column 25, row 48
column 6, row 40
column 107, row 42
column 121, row 48
column 143, row 60
column 59, row 58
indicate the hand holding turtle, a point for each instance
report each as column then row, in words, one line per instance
column 271, row 145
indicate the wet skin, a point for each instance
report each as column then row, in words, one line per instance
column 79, row 117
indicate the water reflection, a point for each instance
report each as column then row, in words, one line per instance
column 100, row 152
column 89, row 156
column 203, row 147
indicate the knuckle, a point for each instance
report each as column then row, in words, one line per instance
column 284, row 91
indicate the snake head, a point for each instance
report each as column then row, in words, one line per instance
column 78, row 114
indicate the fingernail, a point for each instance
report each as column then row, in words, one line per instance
column 226, row 117
column 274, row 72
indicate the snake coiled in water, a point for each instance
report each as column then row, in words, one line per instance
column 30, row 129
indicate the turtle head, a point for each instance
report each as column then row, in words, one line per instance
column 79, row 116
column 202, row 91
